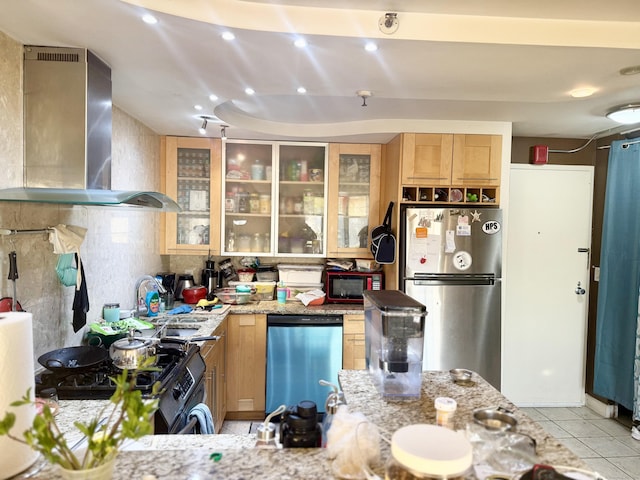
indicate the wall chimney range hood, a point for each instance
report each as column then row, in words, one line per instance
column 67, row 131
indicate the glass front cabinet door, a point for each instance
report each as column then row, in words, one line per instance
column 274, row 198
column 191, row 177
column 353, row 199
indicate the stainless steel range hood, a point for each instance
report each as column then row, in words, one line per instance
column 67, row 125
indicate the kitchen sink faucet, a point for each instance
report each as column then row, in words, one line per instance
column 139, row 302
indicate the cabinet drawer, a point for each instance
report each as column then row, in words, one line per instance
column 353, row 324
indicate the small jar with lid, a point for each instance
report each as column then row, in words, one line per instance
column 445, row 411
column 265, row 203
column 428, row 452
column 254, row 203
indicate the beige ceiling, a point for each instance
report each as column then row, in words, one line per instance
column 448, row 61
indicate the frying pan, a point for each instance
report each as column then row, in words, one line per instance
column 73, row 359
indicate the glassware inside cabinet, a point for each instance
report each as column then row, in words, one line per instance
column 248, row 197
column 193, row 196
column 301, row 199
column 353, row 200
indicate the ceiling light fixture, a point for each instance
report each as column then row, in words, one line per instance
column 228, row 36
column 625, row 114
column 150, row 19
column 198, row 107
column 388, row 24
column 223, row 132
column 633, row 70
column 302, row 90
column 203, row 128
column 300, row 42
column 370, row 47
column 364, row 94
column 582, row 92
column 213, row 98
column 249, row 91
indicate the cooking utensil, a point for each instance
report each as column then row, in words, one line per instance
column 129, row 353
column 13, row 276
column 192, row 295
column 495, row 419
column 184, row 281
column 460, row 375
column 73, row 359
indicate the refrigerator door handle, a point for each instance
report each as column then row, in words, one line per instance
column 453, row 279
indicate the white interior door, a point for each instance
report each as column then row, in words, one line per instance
column 545, row 320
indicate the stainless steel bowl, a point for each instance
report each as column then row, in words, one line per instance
column 460, row 374
column 498, row 420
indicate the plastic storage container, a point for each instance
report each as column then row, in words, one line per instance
column 394, row 342
column 300, row 273
column 296, row 288
column 264, row 290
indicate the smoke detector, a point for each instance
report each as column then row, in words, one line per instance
column 388, row 23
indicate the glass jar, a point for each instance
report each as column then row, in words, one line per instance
column 428, row 452
column 254, row 203
column 242, row 199
column 257, row 243
column 244, row 243
column 265, row 204
column 308, row 202
column 230, row 203
column 257, row 170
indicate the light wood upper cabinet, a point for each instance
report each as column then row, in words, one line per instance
column 191, row 176
column 476, row 160
column 246, row 366
column 426, row 158
column 353, row 202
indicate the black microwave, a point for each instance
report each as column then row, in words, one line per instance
column 347, row 287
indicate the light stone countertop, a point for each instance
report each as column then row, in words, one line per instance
column 294, row 307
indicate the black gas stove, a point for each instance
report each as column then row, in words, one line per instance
column 181, row 377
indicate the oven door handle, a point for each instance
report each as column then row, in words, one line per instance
column 188, row 428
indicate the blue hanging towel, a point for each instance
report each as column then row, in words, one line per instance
column 205, row 421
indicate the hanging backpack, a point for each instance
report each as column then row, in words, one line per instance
column 383, row 242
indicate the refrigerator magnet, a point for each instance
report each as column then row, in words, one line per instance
column 491, row 227
column 462, row 260
column 463, row 230
column 450, row 242
column 422, row 232
column 475, row 216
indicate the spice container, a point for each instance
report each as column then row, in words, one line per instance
column 420, row 452
column 254, row 203
column 445, row 411
column 265, row 204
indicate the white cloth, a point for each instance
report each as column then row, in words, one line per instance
column 68, row 239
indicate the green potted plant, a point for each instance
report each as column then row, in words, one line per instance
column 128, row 416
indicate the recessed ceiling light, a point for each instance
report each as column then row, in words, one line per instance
column 302, row 90
column 228, row 36
column 213, row 97
column 370, row 47
column 300, row 42
column 150, row 19
column 583, row 92
column 249, row 91
column 626, row 114
column 198, row 107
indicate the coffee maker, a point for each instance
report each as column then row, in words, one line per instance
column 394, row 342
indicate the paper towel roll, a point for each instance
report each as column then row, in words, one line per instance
column 16, row 376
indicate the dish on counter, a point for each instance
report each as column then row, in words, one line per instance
column 232, row 297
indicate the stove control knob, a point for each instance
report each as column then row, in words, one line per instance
column 176, row 393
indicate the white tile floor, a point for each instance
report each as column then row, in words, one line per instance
column 603, row 443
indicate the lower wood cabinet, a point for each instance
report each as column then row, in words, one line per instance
column 246, row 366
column 353, row 352
column 214, row 355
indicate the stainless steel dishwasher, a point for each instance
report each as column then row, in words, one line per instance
column 301, row 350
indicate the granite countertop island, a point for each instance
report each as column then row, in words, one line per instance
column 188, row 456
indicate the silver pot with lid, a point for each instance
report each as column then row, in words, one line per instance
column 130, row 352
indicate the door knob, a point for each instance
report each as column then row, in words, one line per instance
column 580, row 290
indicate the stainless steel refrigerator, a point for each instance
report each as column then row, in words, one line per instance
column 450, row 261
